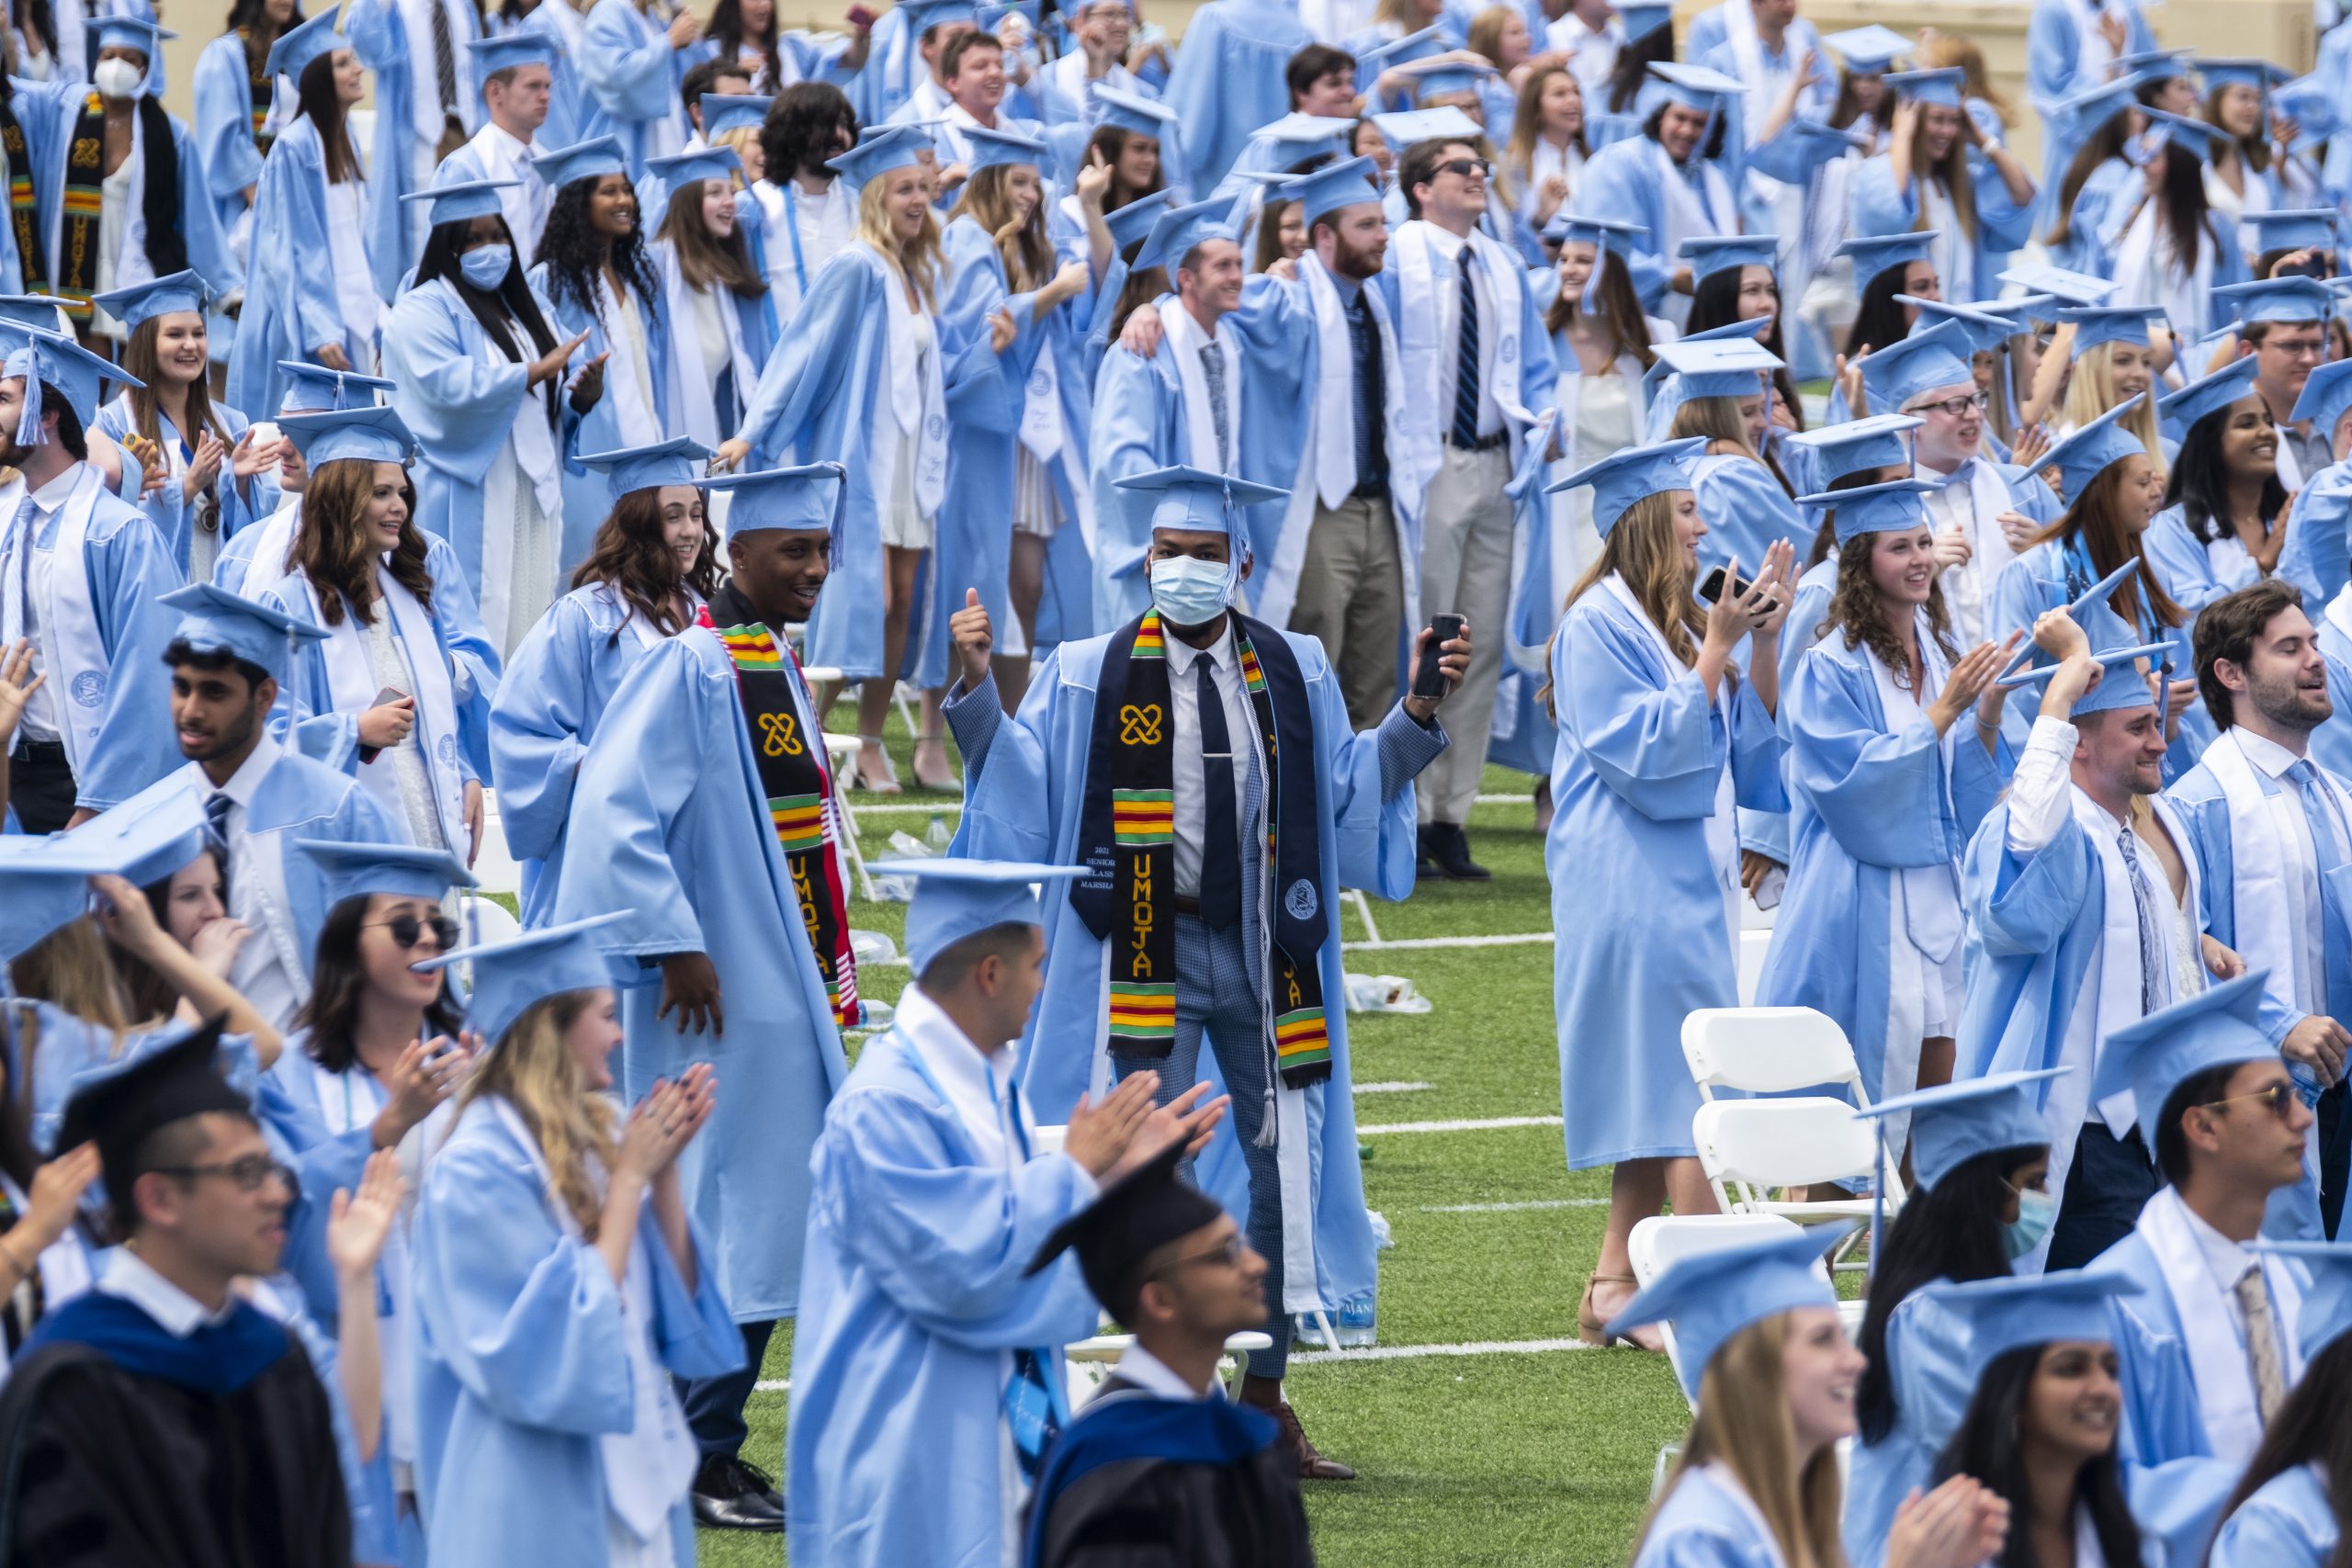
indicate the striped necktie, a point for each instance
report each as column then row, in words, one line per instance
column 1466, row 365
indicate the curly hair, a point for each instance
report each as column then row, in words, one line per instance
column 333, row 551
column 629, row 553
column 575, row 254
column 803, row 128
column 1857, row 608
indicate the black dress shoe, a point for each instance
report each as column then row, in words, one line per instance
column 1424, row 868
column 729, row 1495
column 1450, row 851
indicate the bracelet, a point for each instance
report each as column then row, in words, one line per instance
column 1993, row 729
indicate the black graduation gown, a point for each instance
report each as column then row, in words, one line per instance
column 1149, row 1512
column 103, row 1467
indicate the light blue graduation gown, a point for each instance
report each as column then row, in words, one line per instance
column 1927, row 1366
column 1745, row 512
column 1621, row 181
column 893, row 66
column 1866, row 803
column 2287, row 1523
column 1705, row 1523
column 1024, row 786
column 823, row 393
column 293, row 304
column 2317, row 556
column 461, row 396
column 550, row 701
column 1228, row 79
column 379, row 35
column 587, row 495
column 690, row 851
column 632, row 77
column 916, row 1281
column 522, row 1363
column 129, row 567
column 1138, row 425
column 2002, row 225
column 2332, row 741
column 224, row 130
column 2106, row 193
column 2053, row 53
column 207, row 251
column 2188, row 565
column 168, row 506
column 1634, row 780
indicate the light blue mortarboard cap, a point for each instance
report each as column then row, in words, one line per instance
column 1874, row 254
column 1298, row 135
column 44, row 881
column 2193, row 137
column 1939, row 357
column 723, row 112
column 2262, row 75
column 2075, row 118
column 505, row 51
column 1802, row 146
column 1877, row 441
column 1723, row 367
column 1422, row 44
column 213, row 620
column 461, row 201
column 309, row 387
column 2291, row 228
column 2309, row 101
column 45, row 357
column 2118, row 651
column 1710, row 1296
column 1632, row 474
column 955, row 899
column 804, row 499
column 892, row 147
column 1640, row 21
column 1403, row 128
column 592, row 159
column 2010, row 1311
column 1709, row 254
column 677, row 461
column 2219, row 1027
column 1584, row 229
column 2176, row 411
column 2326, row 398
column 2326, row 1311
column 2096, row 324
column 509, row 976
column 2279, row 299
column 141, row 303
column 1197, row 500
column 1869, row 49
column 1131, row 223
column 1941, row 88
column 924, row 14
column 2147, row 65
column 1133, row 113
column 1334, row 185
column 1982, row 326
column 1179, row 228
column 2080, row 457
column 686, row 169
column 1953, row 1123
column 1892, row 506
column 304, row 42
column 364, row 435
column 1002, row 149
column 1437, row 78
column 1697, row 87
column 35, row 311
column 129, row 32
column 396, row 871
column 2076, row 289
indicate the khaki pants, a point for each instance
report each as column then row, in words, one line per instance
column 1352, row 598
column 1465, row 567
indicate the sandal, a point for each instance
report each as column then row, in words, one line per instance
column 887, row 781
column 1592, row 1328
column 948, row 782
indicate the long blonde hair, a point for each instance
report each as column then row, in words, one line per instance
column 2090, row 392
column 921, row 262
column 74, row 970
column 1719, row 419
column 1641, row 548
column 1743, row 1425
column 533, row 1070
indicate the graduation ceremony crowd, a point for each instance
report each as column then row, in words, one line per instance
column 1221, row 450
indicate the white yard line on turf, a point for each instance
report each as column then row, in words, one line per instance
column 1391, row 1087
column 1415, row 1352
column 1486, row 1124
column 1512, row 1208
column 1521, row 939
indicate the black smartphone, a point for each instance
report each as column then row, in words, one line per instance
column 389, row 695
column 1712, row 591
column 2314, row 265
column 1428, row 680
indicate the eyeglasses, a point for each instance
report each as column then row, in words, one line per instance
column 1956, row 408
column 2277, row 1096
column 1228, row 1253
column 1466, row 167
column 2298, row 348
column 407, row 930
column 248, row 1173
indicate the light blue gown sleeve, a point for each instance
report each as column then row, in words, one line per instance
column 1375, row 825
column 1746, row 512
column 1661, row 750
column 2182, row 562
column 1875, row 790
column 628, row 72
column 2027, row 902
column 2262, row 1534
column 950, row 1243
column 2049, row 54
column 1128, row 436
column 534, row 728
column 291, row 223
column 459, row 405
column 811, row 362
column 1008, row 803
column 474, row 665
column 207, row 248
column 2317, row 556
column 1615, row 185
column 131, row 570
column 224, row 129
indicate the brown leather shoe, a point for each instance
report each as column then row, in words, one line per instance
column 1266, row 1394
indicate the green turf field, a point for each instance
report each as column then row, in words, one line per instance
column 1521, row 1458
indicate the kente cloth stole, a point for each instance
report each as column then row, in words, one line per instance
column 794, row 785
column 262, row 89
column 24, row 212
column 85, row 174
column 1128, row 845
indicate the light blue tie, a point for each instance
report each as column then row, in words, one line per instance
column 16, row 563
column 2144, row 899
column 2319, row 810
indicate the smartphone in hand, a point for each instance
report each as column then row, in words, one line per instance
column 1429, row 679
column 389, row 695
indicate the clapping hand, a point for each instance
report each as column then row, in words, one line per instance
column 358, row 1224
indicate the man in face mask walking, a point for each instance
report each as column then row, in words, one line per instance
column 1199, row 766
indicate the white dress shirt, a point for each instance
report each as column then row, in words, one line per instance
column 267, row 973
column 1448, row 293
column 1153, row 1376
column 2295, row 831
column 2041, row 791
column 2227, row 1261
column 1191, row 781
column 40, row 720
column 175, row 1311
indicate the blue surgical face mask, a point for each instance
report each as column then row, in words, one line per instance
column 485, row 267
column 1187, row 591
column 2036, row 1212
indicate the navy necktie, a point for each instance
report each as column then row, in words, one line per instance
column 1220, row 838
column 216, row 829
column 1465, row 369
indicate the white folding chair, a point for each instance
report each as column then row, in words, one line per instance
column 1090, row 1362
column 1753, row 945
column 1662, row 1240
column 1751, row 1147
column 840, row 751
column 495, row 868
column 1768, row 1051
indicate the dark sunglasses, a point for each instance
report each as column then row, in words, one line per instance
column 407, row 929
column 2276, row 1098
column 1466, row 167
